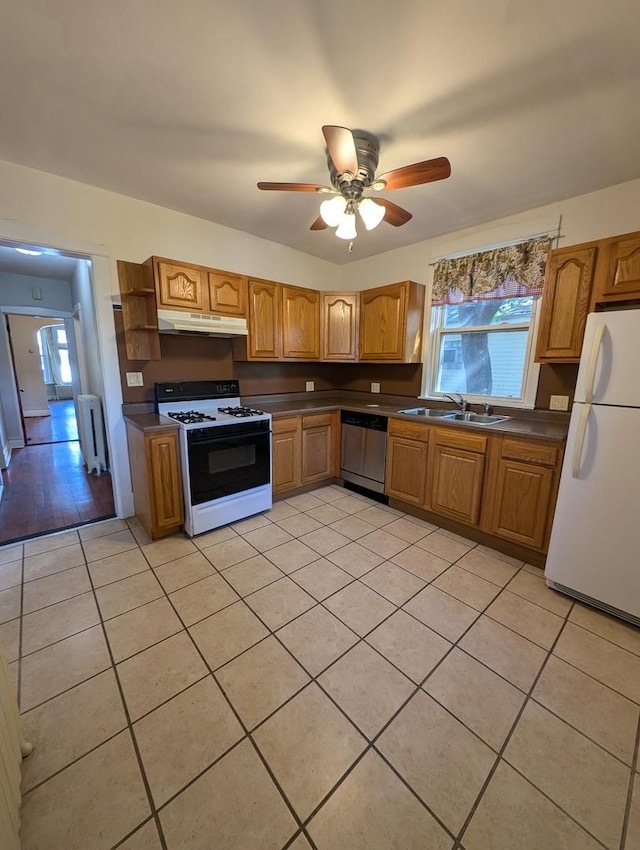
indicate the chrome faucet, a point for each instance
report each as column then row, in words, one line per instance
column 460, row 402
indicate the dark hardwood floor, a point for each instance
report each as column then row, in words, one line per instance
column 60, row 427
column 47, row 488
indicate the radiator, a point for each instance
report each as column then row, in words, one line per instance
column 91, row 430
column 13, row 748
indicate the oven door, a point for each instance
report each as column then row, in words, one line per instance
column 228, row 459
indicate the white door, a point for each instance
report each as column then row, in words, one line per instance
column 595, row 538
column 610, row 362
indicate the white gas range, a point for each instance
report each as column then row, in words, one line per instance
column 225, row 452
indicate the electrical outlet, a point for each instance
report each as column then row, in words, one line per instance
column 375, row 387
column 559, row 402
column 134, row 379
column 310, row 386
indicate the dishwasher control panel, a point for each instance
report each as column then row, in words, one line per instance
column 372, row 421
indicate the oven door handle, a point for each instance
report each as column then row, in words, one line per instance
column 246, row 435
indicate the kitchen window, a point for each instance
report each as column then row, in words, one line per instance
column 483, row 323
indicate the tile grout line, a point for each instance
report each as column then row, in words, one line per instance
column 633, row 781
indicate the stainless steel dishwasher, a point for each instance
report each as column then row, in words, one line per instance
column 364, row 449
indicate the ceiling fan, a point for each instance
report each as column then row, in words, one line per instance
column 352, row 157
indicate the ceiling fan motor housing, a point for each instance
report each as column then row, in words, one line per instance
column 367, row 150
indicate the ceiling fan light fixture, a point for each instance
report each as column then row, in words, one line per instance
column 371, row 213
column 332, row 211
column 347, row 227
column 378, row 185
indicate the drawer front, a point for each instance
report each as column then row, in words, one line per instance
column 526, row 452
column 461, row 440
column 288, row 423
column 315, row 420
column 411, row 430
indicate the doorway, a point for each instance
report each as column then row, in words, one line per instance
column 45, row 484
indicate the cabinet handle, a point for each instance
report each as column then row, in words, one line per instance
column 593, row 363
column 580, row 434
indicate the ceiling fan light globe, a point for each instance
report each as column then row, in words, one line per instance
column 332, row 211
column 371, row 213
column 347, row 227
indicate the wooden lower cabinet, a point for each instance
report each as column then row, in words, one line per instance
column 457, row 462
column 524, row 481
column 286, row 454
column 155, row 478
column 406, row 470
column 319, row 447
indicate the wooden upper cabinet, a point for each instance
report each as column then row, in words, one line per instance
column 180, row 287
column 265, row 320
column 618, row 276
column 339, row 325
column 565, row 303
column 300, row 323
column 391, row 323
column 227, row 294
column 139, row 312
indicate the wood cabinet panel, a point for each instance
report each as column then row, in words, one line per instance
column 405, row 428
column 619, row 268
column 317, row 454
column 139, row 311
column 265, row 320
column 300, row 323
column 227, row 294
column 339, row 325
column 543, row 453
column 286, row 454
column 382, row 322
column 461, row 439
column 155, row 478
column 522, row 496
column 180, row 287
column 565, row 303
column 456, row 483
column 406, row 469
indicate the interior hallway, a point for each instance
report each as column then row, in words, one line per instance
column 332, row 674
column 60, row 427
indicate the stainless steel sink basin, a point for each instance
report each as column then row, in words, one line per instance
column 427, row 411
column 477, row 418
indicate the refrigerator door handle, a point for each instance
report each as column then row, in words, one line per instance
column 593, row 363
column 580, row 435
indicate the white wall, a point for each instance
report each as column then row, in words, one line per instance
column 16, row 290
column 597, row 215
column 27, row 362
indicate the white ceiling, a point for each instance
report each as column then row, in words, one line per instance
column 50, row 263
column 189, row 104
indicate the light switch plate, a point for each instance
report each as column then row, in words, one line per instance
column 134, row 379
column 310, row 386
column 375, row 387
column 559, row 402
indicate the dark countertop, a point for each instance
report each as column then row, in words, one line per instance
column 523, row 423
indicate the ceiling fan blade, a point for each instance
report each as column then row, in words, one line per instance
column 318, row 224
column 293, row 187
column 420, row 172
column 395, row 215
column 342, row 148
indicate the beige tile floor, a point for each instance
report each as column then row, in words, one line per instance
column 331, row 674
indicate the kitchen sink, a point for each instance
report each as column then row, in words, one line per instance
column 477, row 418
column 427, row 411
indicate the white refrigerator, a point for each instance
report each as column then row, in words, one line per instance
column 594, row 551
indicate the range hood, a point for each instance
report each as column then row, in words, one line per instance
column 176, row 322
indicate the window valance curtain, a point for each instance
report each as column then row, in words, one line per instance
column 514, row 271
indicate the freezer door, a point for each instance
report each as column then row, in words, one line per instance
column 610, row 363
column 595, row 539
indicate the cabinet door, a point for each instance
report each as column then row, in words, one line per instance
column 317, row 454
column 300, row 323
column 565, row 303
column 180, row 288
column 406, row 472
column 286, row 454
column 456, row 483
column 383, row 322
column 620, row 268
column 521, row 504
column 227, row 294
column 265, row 320
column 339, row 325
column 164, row 479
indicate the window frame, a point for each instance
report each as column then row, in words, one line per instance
column 434, row 331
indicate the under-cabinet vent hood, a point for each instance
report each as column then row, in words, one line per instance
column 175, row 322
